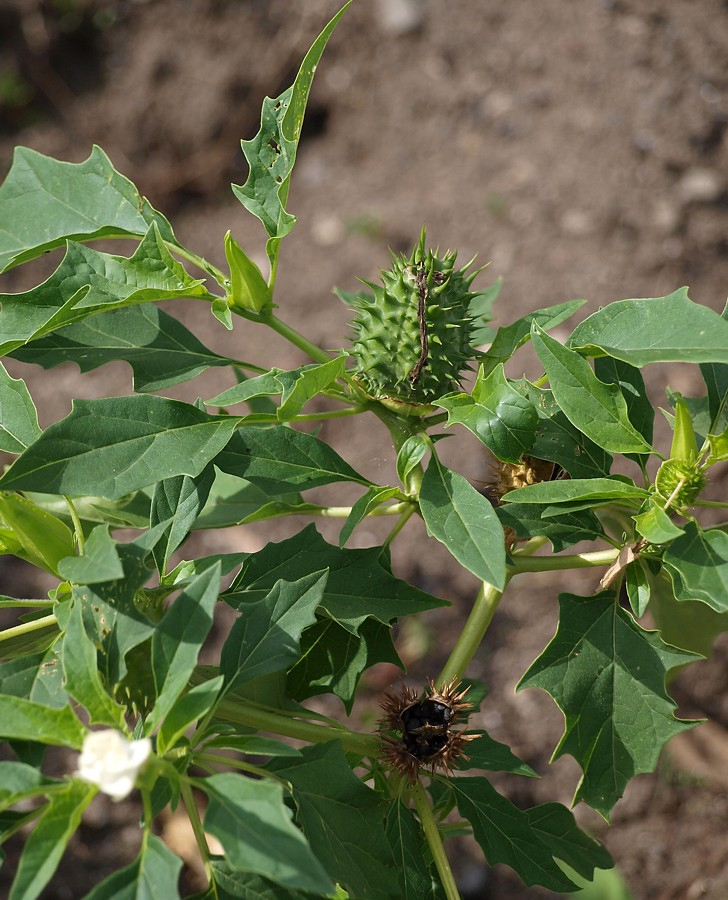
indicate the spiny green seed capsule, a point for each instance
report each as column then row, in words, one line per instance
column 680, row 481
column 413, row 337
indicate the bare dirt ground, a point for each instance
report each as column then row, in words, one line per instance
column 581, row 147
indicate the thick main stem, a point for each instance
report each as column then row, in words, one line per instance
column 472, row 634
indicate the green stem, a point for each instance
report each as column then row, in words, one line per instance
column 715, row 504
column 26, row 628
column 472, row 633
column 434, row 841
column 292, row 336
column 331, row 414
column 409, row 509
column 77, row 528
column 147, row 801
column 555, row 563
column 198, row 261
column 188, row 798
column 265, row 720
column 215, row 760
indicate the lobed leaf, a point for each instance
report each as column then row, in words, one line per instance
column 111, row 447
column 176, row 503
column 100, row 560
column 89, row 282
column 266, row 636
column 358, row 586
column 607, row 675
column 159, row 349
column 505, row 834
column 280, row 459
column 253, row 824
column 49, row 202
column 697, row 561
column 593, row 490
column 342, row 820
column 656, row 329
column 562, row 528
column 271, row 154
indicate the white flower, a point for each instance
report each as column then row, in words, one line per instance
column 112, row 762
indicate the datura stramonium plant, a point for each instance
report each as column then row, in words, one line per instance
column 413, row 336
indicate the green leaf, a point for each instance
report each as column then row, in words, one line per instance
column 35, row 676
column 639, row 582
column 18, row 780
column 718, row 447
column 252, row 745
column 152, row 876
column 49, row 201
column 113, row 609
column 309, row 381
column 464, row 521
column 32, row 533
column 271, row 154
column 342, row 820
column 280, row 459
column 640, row 411
column 265, row 385
column 89, row 282
column 24, row 720
column 160, row 350
column 558, row 830
column 233, row 885
column 506, row 835
column 656, row 329
column 698, row 563
column 253, row 824
column 333, row 659
column 82, row 678
column 410, row 454
column 598, row 410
column 594, row 490
column 186, row 710
column 234, row 500
column 176, row 502
column 47, row 841
column 561, row 442
column 266, row 636
column 100, row 561
column 486, row 753
column 563, row 529
column 689, row 624
column 607, row 675
column 374, row 497
column 715, row 376
column 504, row 420
column 248, row 289
column 178, row 639
column 509, row 338
column 114, row 446
column 358, row 585
column 18, row 416
column 410, row 851
column 655, row 525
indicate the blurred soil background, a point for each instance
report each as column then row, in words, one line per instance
column 581, row 147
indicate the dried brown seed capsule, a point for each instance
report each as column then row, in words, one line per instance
column 422, row 728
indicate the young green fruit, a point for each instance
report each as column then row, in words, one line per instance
column 413, row 336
